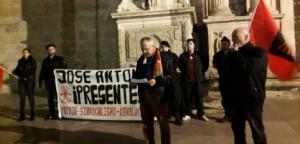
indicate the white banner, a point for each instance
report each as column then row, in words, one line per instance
column 97, row 94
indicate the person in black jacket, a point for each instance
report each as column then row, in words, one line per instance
column 153, row 100
column 192, row 77
column 248, row 69
column 25, row 70
column 173, row 88
column 220, row 62
column 49, row 64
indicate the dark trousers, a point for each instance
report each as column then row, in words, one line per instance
column 174, row 92
column 26, row 87
column 239, row 117
column 51, row 91
column 193, row 90
column 150, row 107
column 225, row 98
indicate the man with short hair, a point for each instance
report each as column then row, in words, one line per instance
column 248, row 73
column 153, row 100
column 220, row 62
column 49, row 64
column 192, row 77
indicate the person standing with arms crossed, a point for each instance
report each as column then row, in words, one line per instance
column 192, row 77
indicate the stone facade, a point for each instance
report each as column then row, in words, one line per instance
column 83, row 31
column 174, row 24
column 297, row 26
column 221, row 21
column 87, row 35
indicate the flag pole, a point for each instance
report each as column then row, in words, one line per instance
column 15, row 76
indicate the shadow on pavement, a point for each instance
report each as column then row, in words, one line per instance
column 34, row 135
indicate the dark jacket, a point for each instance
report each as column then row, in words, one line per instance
column 183, row 66
column 26, row 68
column 170, row 64
column 48, row 67
column 221, row 63
column 145, row 70
column 248, row 69
column 173, row 58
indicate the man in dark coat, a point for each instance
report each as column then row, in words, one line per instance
column 173, row 88
column 49, row 64
column 192, row 77
column 220, row 62
column 153, row 100
column 248, row 69
column 25, row 70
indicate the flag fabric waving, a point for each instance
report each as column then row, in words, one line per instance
column 158, row 70
column 1, row 77
column 265, row 33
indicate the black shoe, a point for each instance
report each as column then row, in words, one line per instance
column 49, row 117
column 32, row 118
column 178, row 121
column 203, row 118
column 21, row 118
column 224, row 119
column 54, row 117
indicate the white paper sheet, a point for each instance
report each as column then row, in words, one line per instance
column 139, row 81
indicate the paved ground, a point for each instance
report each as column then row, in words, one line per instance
column 282, row 121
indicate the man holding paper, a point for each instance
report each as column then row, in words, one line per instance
column 151, row 82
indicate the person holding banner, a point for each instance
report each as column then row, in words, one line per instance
column 25, row 71
column 248, row 73
column 153, row 101
column 49, row 64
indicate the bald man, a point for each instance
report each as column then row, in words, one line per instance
column 152, row 97
column 248, row 72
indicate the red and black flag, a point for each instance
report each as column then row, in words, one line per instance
column 1, row 77
column 158, row 70
column 266, row 33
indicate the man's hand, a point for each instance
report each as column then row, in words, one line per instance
column 211, row 74
column 152, row 82
column 235, row 47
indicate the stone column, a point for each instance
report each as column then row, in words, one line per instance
column 251, row 5
column 272, row 5
column 219, row 8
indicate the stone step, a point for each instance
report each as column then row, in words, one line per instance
column 271, row 85
column 286, row 95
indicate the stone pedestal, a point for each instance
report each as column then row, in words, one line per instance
column 173, row 25
column 219, row 8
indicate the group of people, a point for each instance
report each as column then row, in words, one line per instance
column 242, row 69
column 26, row 72
column 175, row 85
